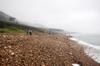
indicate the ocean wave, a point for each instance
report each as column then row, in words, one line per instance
column 85, row 43
column 94, row 52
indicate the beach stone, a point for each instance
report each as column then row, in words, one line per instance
column 12, row 53
column 70, row 53
column 9, row 46
column 4, row 36
column 5, row 47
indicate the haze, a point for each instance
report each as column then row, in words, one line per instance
column 71, row 15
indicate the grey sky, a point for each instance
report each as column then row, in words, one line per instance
column 72, row 15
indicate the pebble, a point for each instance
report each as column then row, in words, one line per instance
column 70, row 53
column 9, row 46
column 12, row 53
column 4, row 36
column 5, row 47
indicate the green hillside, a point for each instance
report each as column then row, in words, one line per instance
column 11, row 29
column 7, row 27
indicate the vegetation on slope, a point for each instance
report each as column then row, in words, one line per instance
column 10, row 30
column 7, row 27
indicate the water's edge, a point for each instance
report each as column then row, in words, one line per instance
column 92, row 50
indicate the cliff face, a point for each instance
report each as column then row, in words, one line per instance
column 5, row 17
column 41, row 49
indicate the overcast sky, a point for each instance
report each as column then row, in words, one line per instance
column 72, row 15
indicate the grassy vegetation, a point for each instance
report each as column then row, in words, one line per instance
column 7, row 27
column 11, row 26
column 10, row 30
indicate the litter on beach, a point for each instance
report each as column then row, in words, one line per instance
column 75, row 64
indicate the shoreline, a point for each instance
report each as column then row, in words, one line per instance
column 85, row 43
column 91, row 50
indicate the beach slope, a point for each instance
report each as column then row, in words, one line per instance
column 41, row 49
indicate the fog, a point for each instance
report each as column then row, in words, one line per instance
column 71, row 15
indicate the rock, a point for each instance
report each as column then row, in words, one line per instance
column 12, row 53
column 5, row 47
column 9, row 46
column 4, row 36
column 70, row 53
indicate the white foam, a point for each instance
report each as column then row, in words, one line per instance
column 84, row 43
column 90, row 52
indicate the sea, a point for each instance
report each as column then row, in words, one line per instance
column 91, row 44
column 89, row 38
